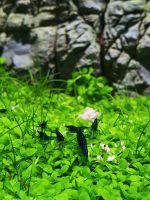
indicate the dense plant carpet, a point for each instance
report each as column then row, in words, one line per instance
column 40, row 158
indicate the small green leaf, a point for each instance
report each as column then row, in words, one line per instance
column 2, row 61
column 64, row 169
column 123, row 163
column 28, row 152
column 84, row 195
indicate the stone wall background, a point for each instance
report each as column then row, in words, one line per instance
column 112, row 36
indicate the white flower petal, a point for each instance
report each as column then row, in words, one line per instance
column 99, row 157
column 105, row 147
column 111, row 158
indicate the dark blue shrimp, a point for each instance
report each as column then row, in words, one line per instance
column 72, row 128
column 82, row 143
column 43, row 124
column 43, row 136
column 59, row 136
column 94, row 125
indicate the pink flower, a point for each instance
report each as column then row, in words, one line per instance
column 89, row 114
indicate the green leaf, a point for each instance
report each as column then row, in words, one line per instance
column 85, row 171
column 6, row 122
column 80, row 180
column 2, row 61
column 123, row 164
column 27, row 152
column 135, row 178
column 62, row 196
column 64, row 169
column 84, row 195
column 4, row 140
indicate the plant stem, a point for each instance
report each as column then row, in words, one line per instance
column 141, row 136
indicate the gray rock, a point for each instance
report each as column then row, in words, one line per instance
column 94, row 21
column 62, row 35
column 133, row 64
column 145, row 74
column 114, row 53
column 146, row 20
column 146, row 91
column 91, row 6
column 76, row 45
column 132, row 79
column 44, row 19
column 3, row 39
column 133, row 6
column 3, row 18
column 18, row 54
column 144, row 45
column 15, row 21
column 123, row 59
column 130, row 19
column 132, row 35
column 43, row 47
column 22, row 61
column 28, row 21
column 115, row 9
column 23, row 5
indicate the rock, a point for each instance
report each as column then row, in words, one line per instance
column 43, row 47
column 73, row 10
column 133, row 34
column 15, row 21
column 91, row 6
column 3, row 18
column 28, row 22
column 133, row 64
column 44, row 19
column 132, row 80
column 144, row 44
column 126, row 30
column 133, row 6
column 22, row 61
column 145, row 74
column 3, row 39
column 19, row 21
column 115, row 9
column 114, row 53
column 18, row 54
column 76, row 45
column 130, row 19
column 94, row 21
column 146, row 91
column 62, row 35
column 123, row 59
column 23, row 6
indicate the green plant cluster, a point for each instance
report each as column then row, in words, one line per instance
column 35, row 169
column 87, row 87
